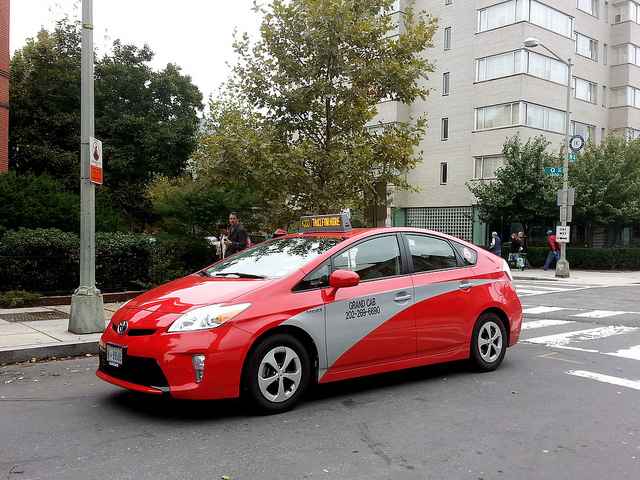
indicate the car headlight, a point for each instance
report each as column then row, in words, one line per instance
column 204, row 318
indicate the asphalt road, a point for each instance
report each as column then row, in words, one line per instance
column 534, row 418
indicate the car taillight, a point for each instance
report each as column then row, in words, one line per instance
column 506, row 269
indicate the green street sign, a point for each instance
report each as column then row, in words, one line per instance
column 554, row 171
column 572, row 156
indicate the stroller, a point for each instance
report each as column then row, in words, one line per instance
column 517, row 260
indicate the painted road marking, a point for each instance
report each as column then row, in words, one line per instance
column 599, row 314
column 543, row 323
column 599, row 377
column 540, row 310
column 561, row 340
column 632, row 353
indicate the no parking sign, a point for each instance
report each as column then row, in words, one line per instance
column 95, row 154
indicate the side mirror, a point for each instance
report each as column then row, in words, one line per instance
column 343, row 279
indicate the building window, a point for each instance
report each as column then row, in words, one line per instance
column 443, row 173
column 629, row 133
column 584, row 90
column 625, row 97
column 485, row 167
column 627, row 53
column 627, row 11
column 496, row 116
column 586, row 46
column 445, row 83
column 448, row 2
column 605, row 54
column 512, row 11
column 586, row 131
column 521, row 61
column 447, row 38
column 589, row 6
column 444, row 129
column 604, row 95
column 455, row 221
column 545, row 118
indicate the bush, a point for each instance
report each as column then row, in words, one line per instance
column 47, row 260
column 175, row 257
column 17, row 298
column 588, row 258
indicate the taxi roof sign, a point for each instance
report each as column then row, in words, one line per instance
column 338, row 222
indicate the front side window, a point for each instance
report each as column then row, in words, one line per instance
column 319, row 278
column 273, row 259
column 430, row 253
column 371, row 259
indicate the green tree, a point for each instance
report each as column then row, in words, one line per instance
column 607, row 182
column 147, row 119
column 298, row 127
column 521, row 192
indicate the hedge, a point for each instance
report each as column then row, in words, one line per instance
column 588, row 258
column 47, row 260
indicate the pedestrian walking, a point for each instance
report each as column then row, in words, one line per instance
column 516, row 244
column 496, row 244
column 554, row 251
column 237, row 240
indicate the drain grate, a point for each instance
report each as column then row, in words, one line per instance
column 33, row 316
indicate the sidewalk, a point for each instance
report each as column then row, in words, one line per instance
column 582, row 277
column 41, row 332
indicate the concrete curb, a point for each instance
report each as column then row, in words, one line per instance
column 42, row 352
column 541, row 279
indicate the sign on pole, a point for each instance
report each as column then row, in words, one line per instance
column 566, row 214
column 576, row 143
column 562, row 234
column 95, row 149
column 566, row 197
column 572, row 157
column 554, row 171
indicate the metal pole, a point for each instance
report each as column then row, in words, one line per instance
column 87, row 310
column 562, row 266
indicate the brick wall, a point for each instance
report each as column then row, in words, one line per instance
column 4, row 85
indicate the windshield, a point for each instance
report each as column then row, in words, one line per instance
column 274, row 259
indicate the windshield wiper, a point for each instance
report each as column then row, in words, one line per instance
column 238, row 275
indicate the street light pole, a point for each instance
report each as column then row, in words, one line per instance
column 562, row 265
column 87, row 309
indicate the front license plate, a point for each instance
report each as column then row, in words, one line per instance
column 114, row 355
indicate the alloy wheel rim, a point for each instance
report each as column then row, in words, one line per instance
column 490, row 342
column 279, row 374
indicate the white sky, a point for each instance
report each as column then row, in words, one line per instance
column 195, row 34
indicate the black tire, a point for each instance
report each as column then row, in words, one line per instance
column 487, row 358
column 283, row 387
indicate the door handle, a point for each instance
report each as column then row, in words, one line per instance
column 465, row 285
column 402, row 297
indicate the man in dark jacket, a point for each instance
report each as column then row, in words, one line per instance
column 238, row 238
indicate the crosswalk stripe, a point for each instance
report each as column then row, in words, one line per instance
column 540, row 310
column 598, row 314
column 552, row 289
column 543, row 323
column 524, row 291
column 633, row 353
column 563, row 339
column 599, row 377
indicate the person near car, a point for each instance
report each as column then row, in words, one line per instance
column 495, row 246
column 237, row 240
column 554, row 250
column 516, row 244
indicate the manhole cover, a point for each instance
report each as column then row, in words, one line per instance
column 33, row 316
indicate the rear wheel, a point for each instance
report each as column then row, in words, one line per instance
column 488, row 342
column 277, row 373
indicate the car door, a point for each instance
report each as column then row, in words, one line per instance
column 371, row 322
column 443, row 293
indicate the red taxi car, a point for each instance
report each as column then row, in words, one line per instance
column 328, row 304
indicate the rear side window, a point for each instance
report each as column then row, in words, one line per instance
column 468, row 255
column 372, row 259
column 430, row 253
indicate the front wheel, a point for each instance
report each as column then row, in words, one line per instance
column 277, row 374
column 488, row 342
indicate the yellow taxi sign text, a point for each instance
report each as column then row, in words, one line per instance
column 326, row 223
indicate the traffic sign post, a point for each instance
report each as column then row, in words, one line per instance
column 572, row 157
column 563, row 234
column 554, row 171
column 96, row 176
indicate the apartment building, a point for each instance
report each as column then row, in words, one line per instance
column 488, row 87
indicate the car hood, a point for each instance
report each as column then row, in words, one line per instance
column 195, row 290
